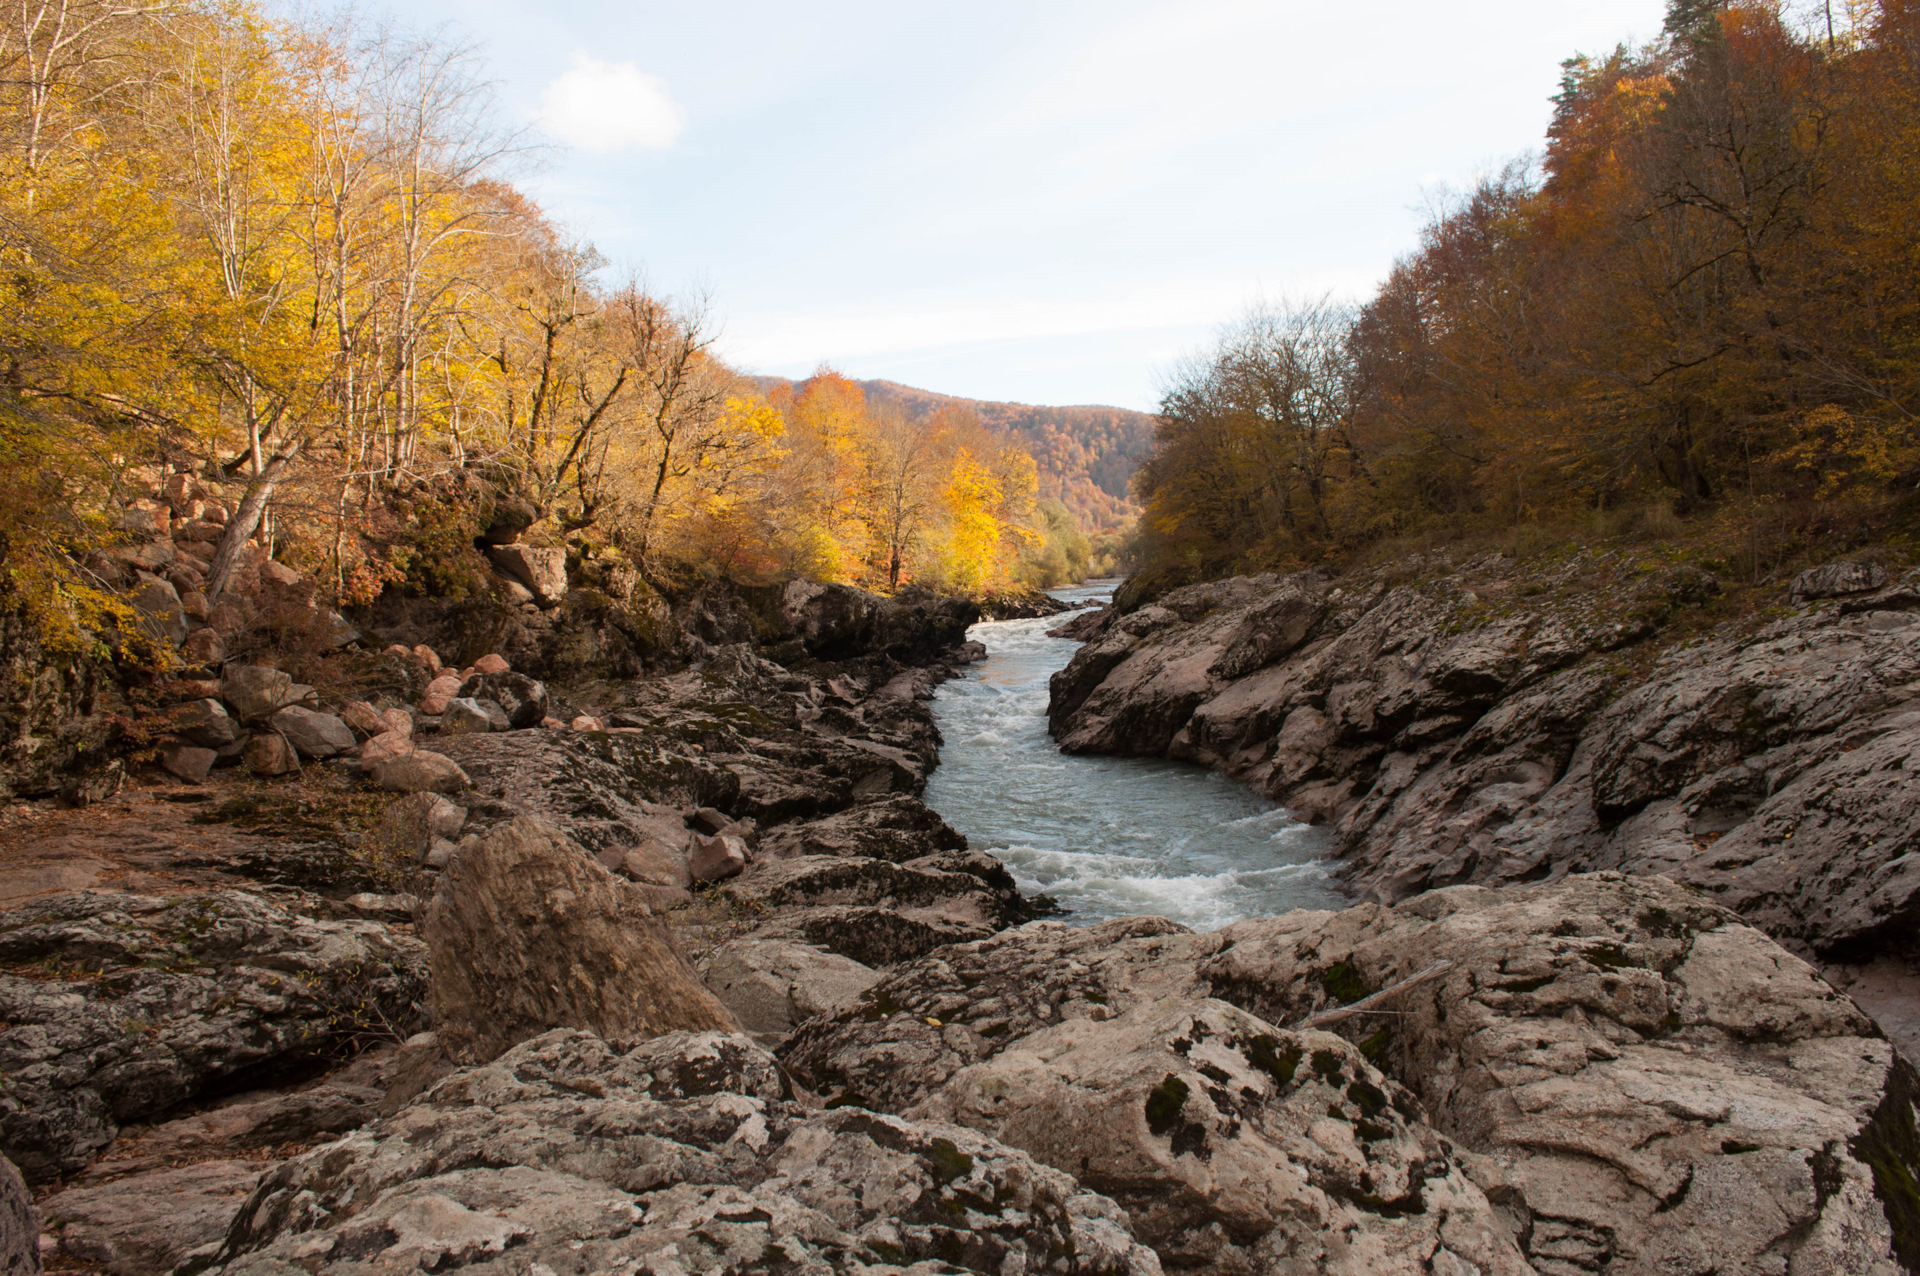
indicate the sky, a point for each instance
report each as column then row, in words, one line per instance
column 1045, row 201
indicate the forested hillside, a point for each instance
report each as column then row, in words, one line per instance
column 288, row 262
column 1086, row 455
column 1696, row 315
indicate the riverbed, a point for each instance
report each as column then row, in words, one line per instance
column 1107, row 837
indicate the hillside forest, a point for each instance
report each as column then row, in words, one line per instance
column 288, row 262
column 1694, row 317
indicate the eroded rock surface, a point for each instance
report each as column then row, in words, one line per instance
column 119, row 1007
column 1629, row 1077
column 1480, row 725
column 529, row 932
column 682, row 1154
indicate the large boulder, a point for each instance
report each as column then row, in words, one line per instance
column 415, row 771
column 139, row 1004
column 314, row 735
column 1234, row 1145
column 19, row 1225
column 542, row 571
column 1655, row 1086
column 528, row 932
column 771, row 985
column 684, row 1153
column 524, row 699
column 205, row 723
column 159, row 601
column 255, row 693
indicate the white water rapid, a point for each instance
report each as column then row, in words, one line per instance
column 1107, row 837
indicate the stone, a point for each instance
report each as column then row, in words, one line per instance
column 427, row 658
column 507, row 521
column 333, row 630
column 587, row 722
column 150, row 556
column 523, row 699
column 192, row 600
column 527, row 933
column 1836, row 580
column 439, row 692
column 143, row 518
column 152, row 1222
column 1237, row 1145
column 364, row 720
column 652, row 861
column 398, row 721
column 146, row 1003
column 418, row 771
column 714, row 859
column 269, row 754
column 279, row 573
column 383, row 748
column 1656, row 1085
column 205, row 723
column 463, row 716
column 201, row 530
column 513, row 592
column 203, row 648
column 19, row 1225
column 188, row 762
column 757, row 1184
column 159, row 601
column 542, row 571
column 313, row 735
column 255, row 693
column 771, row 986
column 492, row 662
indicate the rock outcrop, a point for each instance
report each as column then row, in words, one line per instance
column 682, row 1154
column 118, row 1008
column 1486, row 724
column 1604, row 1073
column 528, row 932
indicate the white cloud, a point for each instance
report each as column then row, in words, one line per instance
column 609, row 106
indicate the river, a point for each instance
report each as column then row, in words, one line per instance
column 1107, row 837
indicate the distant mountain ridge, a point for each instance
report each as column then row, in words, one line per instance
column 1086, row 454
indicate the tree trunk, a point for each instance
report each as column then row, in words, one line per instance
column 246, row 519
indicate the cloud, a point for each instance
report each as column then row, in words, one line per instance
column 609, row 106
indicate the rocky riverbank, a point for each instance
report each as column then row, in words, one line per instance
column 685, row 977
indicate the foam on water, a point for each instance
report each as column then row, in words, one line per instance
column 1107, row 837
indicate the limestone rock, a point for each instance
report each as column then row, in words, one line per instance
column 542, row 571
column 151, row 1223
column 1834, row 580
column 203, row 647
column 439, row 692
column 205, row 723
column 772, row 986
column 463, row 716
column 313, row 735
column 418, row 771
column 714, row 859
column 529, row 933
column 19, row 1225
column 269, row 754
column 154, row 1002
column 188, row 763
column 524, row 699
column 700, row 1162
column 160, row 602
column 1658, row 1086
column 255, row 693
column 1235, row 1145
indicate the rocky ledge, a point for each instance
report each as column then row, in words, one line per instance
column 1500, row 723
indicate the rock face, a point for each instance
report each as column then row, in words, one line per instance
column 685, row 1153
column 772, row 986
column 1611, row 1074
column 141, row 1003
column 1236, row 1146
column 1475, row 727
column 542, row 571
column 528, row 932
column 1658, row 1087
column 19, row 1225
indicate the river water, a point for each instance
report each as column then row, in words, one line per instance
column 1107, row 837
